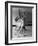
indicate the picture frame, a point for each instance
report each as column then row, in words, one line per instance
column 24, row 9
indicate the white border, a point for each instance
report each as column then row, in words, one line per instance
column 26, row 39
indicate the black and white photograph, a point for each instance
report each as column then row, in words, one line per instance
column 20, row 22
